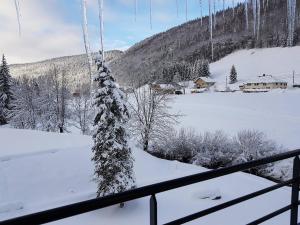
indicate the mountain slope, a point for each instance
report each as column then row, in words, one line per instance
column 76, row 67
column 190, row 41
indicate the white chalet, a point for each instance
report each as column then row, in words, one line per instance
column 264, row 82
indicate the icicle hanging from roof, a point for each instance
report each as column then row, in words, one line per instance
column 214, row 14
column 211, row 29
column 150, row 13
column 186, row 10
column 86, row 36
column 100, row 3
column 233, row 9
column 177, row 10
column 246, row 14
column 291, row 13
column 201, row 11
column 135, row 9
column 254, row 9
column 223, row 9
column 17, row 6
column 258, row 19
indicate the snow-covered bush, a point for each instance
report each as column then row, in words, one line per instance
column 252, row 145
column 215, row 150
column 178, row 145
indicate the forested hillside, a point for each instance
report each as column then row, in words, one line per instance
column 183, row 45
column 75, row 67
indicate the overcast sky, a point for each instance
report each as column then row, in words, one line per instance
column 52, row 28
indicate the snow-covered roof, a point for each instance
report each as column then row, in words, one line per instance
column 168, row 86
column 266, row 79
column 206, row 79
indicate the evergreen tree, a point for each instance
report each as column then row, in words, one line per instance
column 233, row 75
column 6, row 94
column 112, row 156
column 204, row 72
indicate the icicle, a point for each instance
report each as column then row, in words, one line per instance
column 100, row 3
column 291, row 6
column 223, row 9
column 214, row 16
column 150, row 8
column 233, row 9
column 246, row 15
column 86, row 36
column 258, row 19
column 211, row 29
column 201, row 11
column 135, row 9
column 186, row 10
column 17, row 5
column 177, row 10
column 254, row 8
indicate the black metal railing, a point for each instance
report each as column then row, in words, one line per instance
column 151, row 190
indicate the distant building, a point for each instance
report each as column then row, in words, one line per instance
column 204, row 82
column 264, row 82
column 170, row 88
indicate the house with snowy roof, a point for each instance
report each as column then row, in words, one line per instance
column 203, row 82
column 166, row 88
column 264, row 82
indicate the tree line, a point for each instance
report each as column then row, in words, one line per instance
column 43, row 103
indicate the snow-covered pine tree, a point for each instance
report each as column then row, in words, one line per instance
column 233, row 75
column 204, row 72
column 112, row 155
column 6, row 94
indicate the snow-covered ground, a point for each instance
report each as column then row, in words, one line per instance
column 33, row 182
column 278, row 62
column 277, row 113
column 41, row 170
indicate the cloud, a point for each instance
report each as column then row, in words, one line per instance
column 44, row 32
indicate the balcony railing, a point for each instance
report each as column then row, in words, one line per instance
column 151, row 190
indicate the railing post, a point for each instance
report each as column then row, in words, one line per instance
column 153, row 210
column 295, row 192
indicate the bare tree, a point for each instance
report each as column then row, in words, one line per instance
column 82, row 109
column 151, row 118
column 61, row 96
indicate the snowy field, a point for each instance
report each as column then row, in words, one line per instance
column 276, row 113
column 60, row 172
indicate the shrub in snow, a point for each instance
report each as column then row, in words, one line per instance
column 112, row 156
column 253, row 145
column 215, row 150
column 178, row 145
